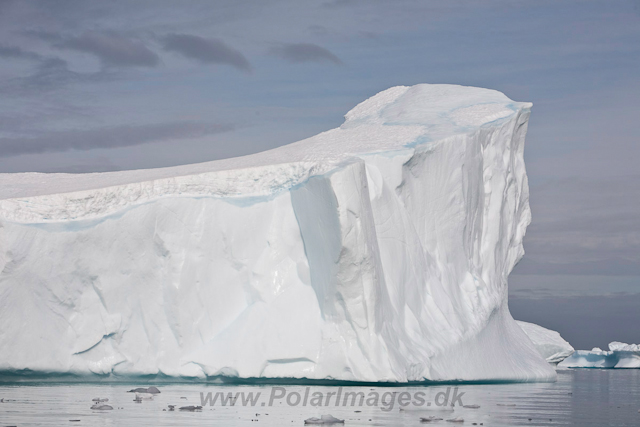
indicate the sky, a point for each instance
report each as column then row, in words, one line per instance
column 91, row 86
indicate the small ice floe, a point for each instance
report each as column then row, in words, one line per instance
column 456, row 420
column 429, row 419
column 324, row 419
column 471, row 406
column 102, row 407
column 145, row 396
column 191, row 408
column 100, row 400
column 144, row 393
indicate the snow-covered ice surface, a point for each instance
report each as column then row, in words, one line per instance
column 620, row 355
column 377, row 251
column 549, row 343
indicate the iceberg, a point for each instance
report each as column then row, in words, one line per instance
column 628, row 355
column 549, row 343
column 378, row 251
column 620, row 355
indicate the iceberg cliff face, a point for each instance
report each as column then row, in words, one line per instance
column 378, row 251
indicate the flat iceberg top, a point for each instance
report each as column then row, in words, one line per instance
column 620, row 346
column 394, row 119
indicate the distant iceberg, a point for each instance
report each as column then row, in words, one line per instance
column 620, row 355
column 377, row 251
column 549, row 343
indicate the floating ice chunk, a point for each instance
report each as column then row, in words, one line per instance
column 620, row 356
column 102, row 407
column 191, row 408
column 149, row 390
column 595, row 358
column 324, row 419
column 628, row 354
column 429, row 419
column 143, row 396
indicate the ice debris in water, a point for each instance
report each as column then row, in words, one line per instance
column 191, row 408
column 324, row 419
column 150, row 390
column 102, row 407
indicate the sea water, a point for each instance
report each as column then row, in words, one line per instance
column 581, row 397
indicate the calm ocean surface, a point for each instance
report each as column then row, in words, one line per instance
column 585, row 397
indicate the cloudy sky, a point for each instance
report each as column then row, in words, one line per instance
column 91, row 86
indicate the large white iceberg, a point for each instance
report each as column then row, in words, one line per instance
column 377, row 251
column 549, row 343
column 620, row 355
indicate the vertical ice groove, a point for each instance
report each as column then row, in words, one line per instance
column 315, row 207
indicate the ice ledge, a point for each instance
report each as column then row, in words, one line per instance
column 395, row 120
column 549, row 343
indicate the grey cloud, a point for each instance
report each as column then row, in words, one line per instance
column 584, row 226
column 112, row 49
column 50, row 74
column 340, row 3
column 17, row 52
column 305, row 52
column 15, row 122
column 370, row 34
column 208, row 51
column 91, row 165
column 112, row 137
column 318, row 30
